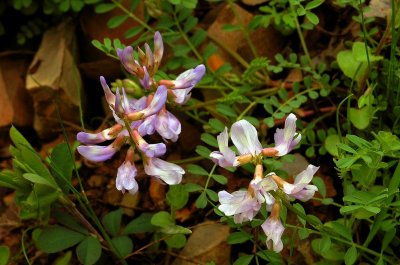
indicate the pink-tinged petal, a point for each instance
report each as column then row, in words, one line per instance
column 126, row 178
column 305, row 177
column 273, row 229
column 158, row 49
column 287, row 138
column 306, row 193
column 110, row 97
column 147, row 127
column 225, row 157
column 153, row 150
column 95, row 138
column 244, row 137
column 168, row 172
column 97, row 153
column 157, row 102
column 128, row 61
column 149, row 58
column 167, row 125
column 181, row 96
column 189, row 78
column 146, row 81
column 240, row 204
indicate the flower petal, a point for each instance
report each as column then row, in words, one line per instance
column 158, row 50
column 157, row 102
column 244, row 137
column 110, row 97
column 273, row 229
column 128, row 61
column 126, row 178
column 167, row 125
column 168, row 172
column 225, row 157
column 286, row 139
column 97, row 153
column 153, row 150
column 95, row 138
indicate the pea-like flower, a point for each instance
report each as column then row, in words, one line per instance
column 166, row 171
column 287, row 138
column 243, row 205
column 300, row 189
column 126, row 175
column 273, row 229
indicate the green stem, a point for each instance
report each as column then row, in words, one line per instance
column 300, row 34
column 131, row 15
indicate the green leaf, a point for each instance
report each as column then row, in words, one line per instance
column 212, row 194
column 63, row 260
column 226, row 110
column 270, row 122
column 123, row 244
column 116, row 21
column 176, row 241
column 360, row 118
column 346, row 148
column 350, row 67
column 238, row 237
column 68, row 221
column 217, row 125
column 62, row 165
column 220, row 179
column 231, row 27
column 317, row 181
column 201, row 201
column 192, row 187
column 324, row 244
column 89, row 250
column 132, row 32
column 55, row 239
column 244, row 260
column 112, row 221
column 104, row 8
column 34, row 178
column 177, row 196
column 190, row 23
column 203, row 151
column 303, row 233
column 330, row 144
column 313, row 18
column 209, row 139
column 141, row 224
column 351, row 256
column 197, row 170
column 313, row 4
column 4, row 255
column 175, row 229
column 162, row 219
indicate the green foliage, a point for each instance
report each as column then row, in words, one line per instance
column 4, row 255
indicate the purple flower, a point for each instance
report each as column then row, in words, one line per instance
column 147, row 127
column 97, row 153
column 287, row 138
column 128, row 61
column 273, row 229
column 185, row 82
column 149, row 150
column 95, row 138
column 149, row 61
column 157, row 102
column 167, row 125
column 126, row 178
column 168, row 172
column 225, row 157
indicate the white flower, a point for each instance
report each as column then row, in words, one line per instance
column 287, row 138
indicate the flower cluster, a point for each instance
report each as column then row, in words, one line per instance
column 136, row 118
column 244, row 205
